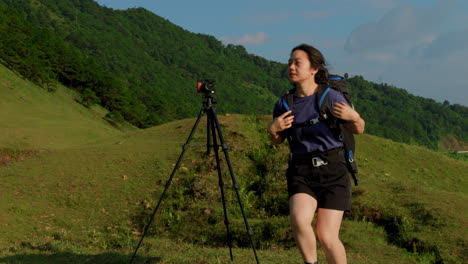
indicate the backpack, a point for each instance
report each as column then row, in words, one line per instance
column 337, row 83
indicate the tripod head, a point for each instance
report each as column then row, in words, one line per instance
column 207, row 87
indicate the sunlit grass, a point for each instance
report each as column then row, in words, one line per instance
column 77, row 190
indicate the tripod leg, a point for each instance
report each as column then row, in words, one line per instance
column 221, row 185
column 168, row 183
column 208, row 136
column 234, row 182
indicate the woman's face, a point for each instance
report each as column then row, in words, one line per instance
column 299, row 68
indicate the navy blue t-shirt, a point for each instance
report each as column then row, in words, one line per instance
column 310, row 138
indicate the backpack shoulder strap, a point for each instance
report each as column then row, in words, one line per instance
column 322, row 101
column 288, row 99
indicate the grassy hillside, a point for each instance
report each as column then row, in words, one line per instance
column 33, row 118
column 87, row 189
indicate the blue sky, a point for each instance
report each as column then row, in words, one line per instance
column 418, row 45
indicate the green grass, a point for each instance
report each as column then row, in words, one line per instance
column 77, row 190
column 457, row 156
column 33, row 118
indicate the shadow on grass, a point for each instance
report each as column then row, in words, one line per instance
column 71, row 258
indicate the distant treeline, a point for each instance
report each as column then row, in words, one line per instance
column 143, row 69
column 393, row 113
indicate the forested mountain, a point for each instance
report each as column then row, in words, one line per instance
column 153, row 64
column 144, row 70
column 393, row 113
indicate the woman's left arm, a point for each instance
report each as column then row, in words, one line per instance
column 354, row 123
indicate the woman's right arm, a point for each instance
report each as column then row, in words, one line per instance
column 279, row 124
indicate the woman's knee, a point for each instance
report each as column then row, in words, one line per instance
column 300, row 222
column 327, row 239
column 328, row 227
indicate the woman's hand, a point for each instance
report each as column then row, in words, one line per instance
column 355, row 123
column 344, row 112
column 279, row 124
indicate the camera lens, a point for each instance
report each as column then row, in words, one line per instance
column 209, row 85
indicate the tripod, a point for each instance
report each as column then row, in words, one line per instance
column 213, row 130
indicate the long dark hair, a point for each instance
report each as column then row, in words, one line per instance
column 317, row 61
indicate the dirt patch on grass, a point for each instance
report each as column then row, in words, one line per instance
column 8, row 156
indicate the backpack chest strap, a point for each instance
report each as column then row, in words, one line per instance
column 287, row 101
column 311, row 122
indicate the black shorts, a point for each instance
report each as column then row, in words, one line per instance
column 329, row 184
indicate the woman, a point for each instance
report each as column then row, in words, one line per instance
column 324, row 187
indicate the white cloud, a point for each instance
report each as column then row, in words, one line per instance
column 453, row 43
column 404, row 24
column 416, row 48
column 247, row 39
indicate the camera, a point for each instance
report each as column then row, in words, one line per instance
column 206, row 86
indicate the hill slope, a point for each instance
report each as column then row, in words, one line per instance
column 84, row 199
column 33, row 118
